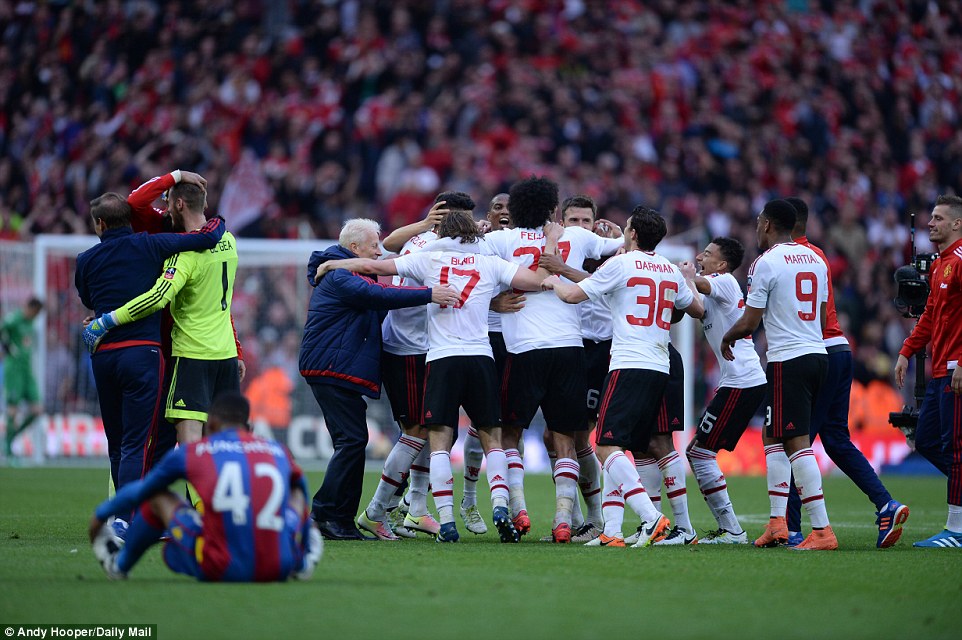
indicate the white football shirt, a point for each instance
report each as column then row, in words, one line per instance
column 494, row 320
column 461, row 329
column 641, row 288
column 723, row 307
column 790, row 283
column 545, row 322
column 405, row 331
column 595, row 320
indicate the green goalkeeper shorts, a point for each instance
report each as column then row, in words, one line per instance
column 19, row 383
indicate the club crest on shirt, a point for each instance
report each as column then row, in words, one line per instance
column 169, row 273
column 948, row 271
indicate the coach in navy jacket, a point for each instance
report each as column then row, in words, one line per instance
column 128, row 366
column 342, row 336
column 341, row 360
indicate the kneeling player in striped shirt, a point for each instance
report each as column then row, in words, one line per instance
column 256, row 524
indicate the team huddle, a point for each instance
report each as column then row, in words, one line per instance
column 577, row 324
column 500, row 318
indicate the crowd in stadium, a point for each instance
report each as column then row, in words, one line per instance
column 703, row 111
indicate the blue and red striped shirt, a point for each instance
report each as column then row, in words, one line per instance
column 250, row 531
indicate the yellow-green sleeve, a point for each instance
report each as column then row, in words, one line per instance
column 176, row 273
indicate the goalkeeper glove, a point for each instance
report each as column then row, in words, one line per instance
column 97, row 329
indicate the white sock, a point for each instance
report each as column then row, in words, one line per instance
column 566, row 473
column 473, row 455
column 577, row 516
column 497, row 472
column 590, row 483
column 623, row 473
column 396, row 469
column 714, row 488
column 954, row 522
column 613, row 508
column 420, row 480
column 442, row 482
column 673, row 470
column 808, row 481
column 651, row 478
column 779, row 473
column 395, row 498
column 515, row 481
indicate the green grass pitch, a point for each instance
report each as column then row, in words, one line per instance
column 482, row 589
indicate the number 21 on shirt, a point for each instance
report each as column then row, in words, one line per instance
column 564, row 248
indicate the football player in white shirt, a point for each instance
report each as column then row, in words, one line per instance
column 741, row 387
column 580, row 211
column 460, row 364
column 657, row 462
column 830, row 419
column 497, row 217
column 405, row 346
column 788, row 288
column 642, row 290
column 546, row 361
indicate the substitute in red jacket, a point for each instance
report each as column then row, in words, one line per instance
column 939, row 433
column 341, row 360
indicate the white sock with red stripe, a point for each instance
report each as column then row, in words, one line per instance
column 590, row 483
column 577, row 517
column 497, row 471
column 515, row 481
column 714, row 488
column 396, row 468
column 778, row 470
column 651, row 478
column 442, row 485
column 613, row 508
column 623, row 473
column 673, row 470
column 420, row 480
column 566, row 472
column 473, row 455
column 808, row 481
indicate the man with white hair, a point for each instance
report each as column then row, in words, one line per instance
column 341, row 360
column 459, row 367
